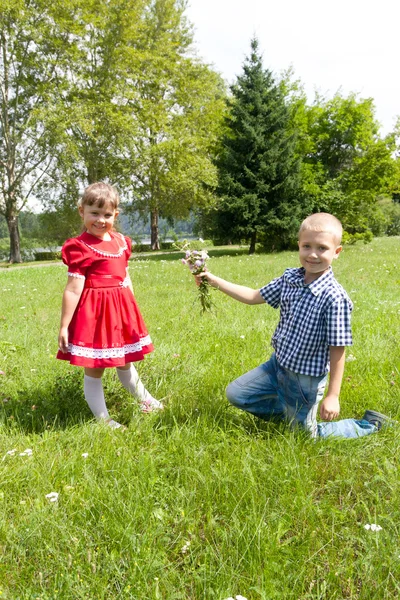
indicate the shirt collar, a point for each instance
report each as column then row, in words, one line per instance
column 296, row 278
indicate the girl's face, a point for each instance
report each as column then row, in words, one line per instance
column 98, row 221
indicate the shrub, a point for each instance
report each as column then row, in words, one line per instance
column 352, row 238
column 394, row 227
column 391, row 214
column 167, row 245
column 193, row 244
column 201, row 245
column 138, row 247
column 27, row 248
column 48, row 255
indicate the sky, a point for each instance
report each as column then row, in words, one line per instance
column 347, row 46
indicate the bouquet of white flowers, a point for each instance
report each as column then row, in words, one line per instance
column 196, row 261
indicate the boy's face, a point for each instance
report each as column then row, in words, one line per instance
column 317, row 249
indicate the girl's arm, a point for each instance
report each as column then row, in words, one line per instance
column 130, row 286
column 238, row 292
column 330, row 406
column 72, row 293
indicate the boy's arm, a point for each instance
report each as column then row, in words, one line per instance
column 330, row 406
column 72, row 293
column 238, row 292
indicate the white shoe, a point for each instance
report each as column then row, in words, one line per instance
column 115, row 425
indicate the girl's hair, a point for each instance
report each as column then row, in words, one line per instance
column 100, row 193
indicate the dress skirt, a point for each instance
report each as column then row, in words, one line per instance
column 106, row 330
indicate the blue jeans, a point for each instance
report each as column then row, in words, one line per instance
column 272, row 392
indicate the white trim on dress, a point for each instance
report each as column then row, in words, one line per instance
column 126, row 282
column 77, row 275
column 109, row 352
column 108, row 254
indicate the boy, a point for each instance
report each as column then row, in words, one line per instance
column 309, row 341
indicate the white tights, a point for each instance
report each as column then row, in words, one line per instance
column 94, row 393
column 131, row 381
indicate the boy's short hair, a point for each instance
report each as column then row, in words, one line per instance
column 323, row 222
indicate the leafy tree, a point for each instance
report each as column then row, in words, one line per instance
column 4, row 234
column 35, row 39
column 97, row 123
column 140, row 113
column 258, row 169
column 62, row 221
column 391, row 217
column 342, row 129
column 349, row 164
column 178, row 115
column 302, row 117
column 394, row 183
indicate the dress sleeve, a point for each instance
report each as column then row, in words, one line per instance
column 129, row 249
column 75, row 256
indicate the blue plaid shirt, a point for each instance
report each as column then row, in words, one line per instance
column 313, row 317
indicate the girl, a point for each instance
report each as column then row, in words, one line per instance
column 101, row 325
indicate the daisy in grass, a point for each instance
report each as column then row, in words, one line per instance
column 27, row 452
column 196, row 260
column 373, row 527
column 52, row 496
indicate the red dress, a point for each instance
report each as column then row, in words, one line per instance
column 107, row 329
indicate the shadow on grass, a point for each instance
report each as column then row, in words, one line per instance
column 177, row 255
column 58, row 405
column 61, row 405
column 217, row 416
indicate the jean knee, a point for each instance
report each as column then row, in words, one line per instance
column 232, row 393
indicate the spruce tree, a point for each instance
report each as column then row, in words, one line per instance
column 258, row 168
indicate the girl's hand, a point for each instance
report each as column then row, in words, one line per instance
column 63, row 340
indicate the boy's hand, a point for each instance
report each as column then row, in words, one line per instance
column 204, row 275
column 330, row 408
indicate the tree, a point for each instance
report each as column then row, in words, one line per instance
column 34, row 49
column 177, row 114
column 351, row 165
column 258, row 168
column 97, row 122
column 341, row 129
column 141, row 112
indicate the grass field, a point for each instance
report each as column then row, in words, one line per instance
column 202, row 501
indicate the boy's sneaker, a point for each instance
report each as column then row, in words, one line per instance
column 377, row 419
column 151, row 405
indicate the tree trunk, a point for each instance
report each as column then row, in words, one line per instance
column 15, row 250
column 155, row 241
column 253, row 240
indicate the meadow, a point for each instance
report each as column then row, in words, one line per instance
column 201, row 501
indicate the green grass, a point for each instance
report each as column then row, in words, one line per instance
column 202, row 501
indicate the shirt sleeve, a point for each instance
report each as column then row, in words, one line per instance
column 75, row 257
column 272, row 292
column 338, row 320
